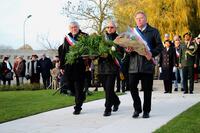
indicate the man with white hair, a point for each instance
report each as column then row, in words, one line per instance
column 73, row 74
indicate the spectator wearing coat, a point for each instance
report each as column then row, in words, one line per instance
column 179, row 71
column 46, row 66
column 19, row 69
column 33, row 70
column 7, row 74
column 188, row 61
column 167, row 63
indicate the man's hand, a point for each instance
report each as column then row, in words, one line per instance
column 129, row 49
column 195, row 65
column 62, row 71
column 148, row 54
column 180, row 66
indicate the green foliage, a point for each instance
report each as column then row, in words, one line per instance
column 18, row 104
column 174, row 17
column 93, row 45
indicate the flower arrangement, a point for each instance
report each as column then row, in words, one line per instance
column 90, row 47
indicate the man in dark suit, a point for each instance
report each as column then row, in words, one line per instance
column 46, row 66
column 74, row 74
column 142, row 67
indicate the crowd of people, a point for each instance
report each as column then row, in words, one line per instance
column 32, row 70
column 178, row 61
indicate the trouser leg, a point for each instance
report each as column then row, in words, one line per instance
column 111, row 97
column 147, row 85
column 79, row 94
column 133, row 83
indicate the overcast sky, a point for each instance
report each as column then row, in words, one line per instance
column 46, row 19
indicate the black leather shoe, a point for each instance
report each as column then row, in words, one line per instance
column 145, row 115
column 176, row 89
column 182, row 89
column 76, row 112
column 116, row 107
column 136, row 114
column 107, row 113
column 185, row 92
column 191, row 92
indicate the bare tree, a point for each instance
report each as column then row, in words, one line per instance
column 47, row 44
column 95, row 12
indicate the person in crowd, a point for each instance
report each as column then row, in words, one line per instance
column 88, row 76
column 55, row 74
column 74, row 74
column 0, row 72
column 108, row 70
column 178, row 71
column 196, row 70
column 33, row 70
column 19, row 69
column 167, row 63
column 142, row 67
column 7, row 72
column 122, row 80
column 167, row 38
column 55, row 60
column 188, row 61
column 46, row 66
column 125, row 65
column 14, row 69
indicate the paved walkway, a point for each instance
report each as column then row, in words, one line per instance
column 91, row 120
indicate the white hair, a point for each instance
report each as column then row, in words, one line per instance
column 74, row 23
column 112, row 23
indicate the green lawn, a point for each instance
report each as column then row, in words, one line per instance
column 186, row 122
column 18, row 104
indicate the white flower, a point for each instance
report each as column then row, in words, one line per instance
column 113, row 48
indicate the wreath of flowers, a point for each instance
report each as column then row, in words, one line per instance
column 91, row 46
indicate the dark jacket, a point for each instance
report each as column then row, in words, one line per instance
column 138, row 63
column 167, row 62
column 1, row 73
column 46, row 66
column 5, row 70
column 168, row 58
column 76, row 70
column 107, row 65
